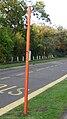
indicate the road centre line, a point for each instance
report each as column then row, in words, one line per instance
column 2, row 91
column 33, row 94
column 14, row 75
column 4, row 78
column 65, row 62
column 19, row 74
column 47, row 67
column 40, row 69
column 52, row 66
column 64, row 70
column 31, row 72
column 44, row 68
column 56, row 65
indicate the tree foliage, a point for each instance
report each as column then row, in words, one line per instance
column 45, row 40
column 39, row 11
column 11, row 14
column 48, row 41
column 6, row 43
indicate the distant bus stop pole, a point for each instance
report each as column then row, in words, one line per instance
column 27, row 62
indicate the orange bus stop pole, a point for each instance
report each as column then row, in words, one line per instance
column 27, row 62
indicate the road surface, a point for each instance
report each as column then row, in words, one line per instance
column 12, row 79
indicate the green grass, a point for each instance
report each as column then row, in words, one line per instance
column 48, row 105
column 2, row 66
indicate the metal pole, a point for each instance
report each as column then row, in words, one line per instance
column 27, row 62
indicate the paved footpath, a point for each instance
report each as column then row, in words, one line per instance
column 64, row 115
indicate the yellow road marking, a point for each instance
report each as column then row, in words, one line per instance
column 18, row 90
column 33, row 94
column 10, row 106
column 2, row 91
column 3, row 85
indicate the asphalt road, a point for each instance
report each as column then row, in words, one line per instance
column 12, row 79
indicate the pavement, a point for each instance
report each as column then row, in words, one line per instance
column 64, row 115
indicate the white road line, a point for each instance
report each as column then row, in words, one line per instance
column 65, row 63
column 52, row 66
column 22, row 73
column 4, row 78
column 43, row 68
column 31, row 72
column 64, row 70
column 2, row 91
column 47, row 67
column 40, row 69
column 55, row 65
column 19, row 74
column 33, row 94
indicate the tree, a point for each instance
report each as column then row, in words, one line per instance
column 6, row 43
column 42, row 40
column 19, row 46
column 61, row 41
column 11, row 14
column 39, row 11
column 2, row 49
column 36, row 40
column 49, row 41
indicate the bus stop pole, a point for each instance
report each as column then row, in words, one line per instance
column 27, row 62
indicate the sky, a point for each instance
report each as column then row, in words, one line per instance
column 57, row 9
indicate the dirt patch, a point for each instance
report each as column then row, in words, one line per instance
column 43, row 109
column 64, row 115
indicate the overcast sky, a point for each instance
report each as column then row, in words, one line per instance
column 57, row 9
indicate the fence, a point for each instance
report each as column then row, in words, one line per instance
column 23, row 59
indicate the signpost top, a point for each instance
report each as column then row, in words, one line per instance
column 29, row 2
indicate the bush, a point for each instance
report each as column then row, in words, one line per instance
column 1, row 57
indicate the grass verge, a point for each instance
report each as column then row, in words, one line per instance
column 2, row 66
column 47, row 105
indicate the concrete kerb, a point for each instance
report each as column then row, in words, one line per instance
column 11, row 68
column 33, row 94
